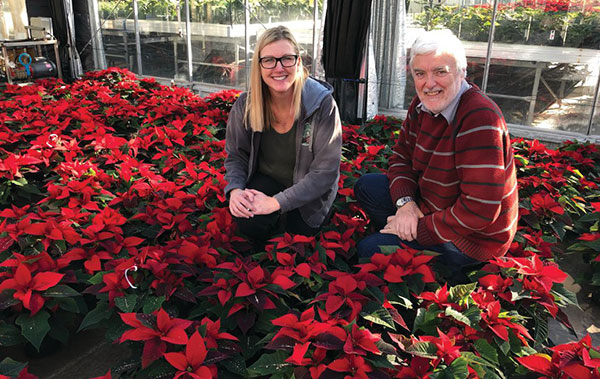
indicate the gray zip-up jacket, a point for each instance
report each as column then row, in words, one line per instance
column 318, row 153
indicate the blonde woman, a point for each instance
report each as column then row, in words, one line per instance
column 283, row 144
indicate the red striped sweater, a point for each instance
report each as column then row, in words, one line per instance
column 462, row 175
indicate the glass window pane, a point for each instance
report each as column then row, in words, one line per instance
column 218, row 42
column 296, row 15
column 162, row 36
column 545, row 61
column 118, row 47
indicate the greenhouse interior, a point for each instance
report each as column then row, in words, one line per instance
column 131, row 183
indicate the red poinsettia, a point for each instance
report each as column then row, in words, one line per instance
column 191, row 364
column 155, row 333
column 28, row 286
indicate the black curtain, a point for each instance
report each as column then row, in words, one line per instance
column 83, row 34
column 344, row 40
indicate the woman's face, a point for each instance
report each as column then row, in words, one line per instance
column 279, row 79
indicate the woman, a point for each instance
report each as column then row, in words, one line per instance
column 283, row 144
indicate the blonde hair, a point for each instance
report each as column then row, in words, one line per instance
column 258, row 113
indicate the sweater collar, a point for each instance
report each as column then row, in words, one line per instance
column 450, row 111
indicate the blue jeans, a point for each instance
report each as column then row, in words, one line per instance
column 373, row 195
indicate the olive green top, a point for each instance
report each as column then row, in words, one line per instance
column 277, row 155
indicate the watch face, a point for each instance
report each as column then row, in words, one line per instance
column 403, row 200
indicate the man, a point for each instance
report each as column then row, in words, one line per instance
column 451, row 186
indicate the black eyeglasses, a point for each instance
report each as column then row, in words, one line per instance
column 271, row 62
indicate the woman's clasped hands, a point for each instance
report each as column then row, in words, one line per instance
column 247, row 203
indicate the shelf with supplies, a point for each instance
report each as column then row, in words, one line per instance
column 22, row 60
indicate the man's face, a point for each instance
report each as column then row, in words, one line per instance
column 437, row 80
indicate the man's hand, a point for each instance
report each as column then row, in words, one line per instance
column 263, row 204
column 404, row 223
column 241, row 203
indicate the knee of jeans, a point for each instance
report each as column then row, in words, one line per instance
column 250, row 227
column 359, row 189
column 366, row 248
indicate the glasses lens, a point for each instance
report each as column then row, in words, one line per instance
column 288, row 60
column 268, row 62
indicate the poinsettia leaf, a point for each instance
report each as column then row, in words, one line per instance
column 423, row 349
column 61, row 290
column 328, row 341
column 11, row 368
column 459, row 368
column 281, row 343
column 397, row 317
column 539, row 363
column 152, row 303
column 214, row 356
column 236, row 365
column 486, row 350
column 59, row 332
column 95, row 316
column 376, row 293
column 457, row 315
column 458, row 293
column 185, row 294
column 269, row 364
column 377, row 314
column 34, row 328
column 561, row 293
column 126, row 303
column 245, row 320
column 559, row 228
column 9, row 335
column 7, row 300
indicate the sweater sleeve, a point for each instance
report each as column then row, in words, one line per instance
column 237, row 146
column 401, row 175
column 325, row 166
column 483, row 167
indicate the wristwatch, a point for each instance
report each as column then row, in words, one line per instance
column 403, row 200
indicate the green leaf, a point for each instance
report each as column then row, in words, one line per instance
column 68, row 304
column 457, row 294
column 459, row 368
column 486, row 350
column 235, row 365
column 458, row 316
column 376, row 293
column 423, row 349
column 377, row 314
column 473, row 359
column 7, row 300
column 559, row 228
column 388, row 249
column 61, row 290
column 101, row 312
column 59, row 332
column 426, row 320
column 35, row 328
column 269, row 364
column 97, row 278
column 126, row 303
column 9, row 335
column 541, row 331
column 152, row 304
column 11, row 368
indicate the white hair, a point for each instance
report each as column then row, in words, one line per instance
column 440, row 42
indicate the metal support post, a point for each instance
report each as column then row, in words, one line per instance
column 247, row 42
column 488, row 57
column 188, row 40
column 138, row 46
